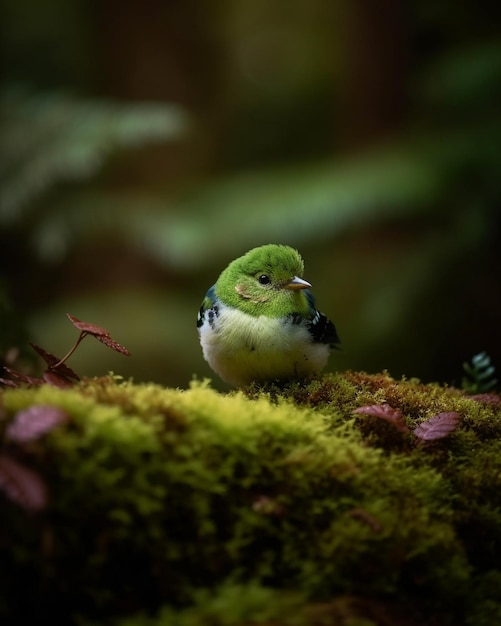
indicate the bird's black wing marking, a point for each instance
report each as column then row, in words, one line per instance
column 323, row 330
column 209, row 308
column 320, row 327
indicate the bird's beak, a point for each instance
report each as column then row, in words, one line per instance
column 297, row 283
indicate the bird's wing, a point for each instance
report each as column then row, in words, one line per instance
column 209, row 307
column 319, row 325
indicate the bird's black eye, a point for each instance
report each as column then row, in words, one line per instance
column 264, row 279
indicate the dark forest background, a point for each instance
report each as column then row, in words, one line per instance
column 143, row 145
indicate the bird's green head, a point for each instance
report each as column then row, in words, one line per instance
column 265, row 281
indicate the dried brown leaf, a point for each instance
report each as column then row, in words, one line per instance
column 34, row 422
column 387, row 413
column 438, row 426
column 22, row 485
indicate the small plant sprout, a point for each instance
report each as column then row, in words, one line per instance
column 19, row 483
column 101, row 334
column 57, row 372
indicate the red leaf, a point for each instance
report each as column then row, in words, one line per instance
column 23, row 378
column 49, row 358
column 101, row 334
column 387, row 413
column 54, row 363
column 34, row 422
column 22, row 485
column 57, row 380
column 438, row 426
column 366, row 517
column 87, row 327
column 108, row 341
column 8, row 383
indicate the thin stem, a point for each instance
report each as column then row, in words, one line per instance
column 67, row 356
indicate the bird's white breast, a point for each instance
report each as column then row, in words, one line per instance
column 242, row 348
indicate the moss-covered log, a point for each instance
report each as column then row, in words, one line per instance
column 275, row 505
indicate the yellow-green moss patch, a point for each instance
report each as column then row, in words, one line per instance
column 159, row 496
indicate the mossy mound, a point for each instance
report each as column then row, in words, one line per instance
column 274, row 506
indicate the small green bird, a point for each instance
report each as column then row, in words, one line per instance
column 259, row 321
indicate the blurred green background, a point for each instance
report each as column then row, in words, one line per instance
column 143, row 145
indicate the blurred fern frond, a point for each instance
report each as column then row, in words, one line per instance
column 467, row 76
column 48, row 138
column 294, row 203
column 480, row 374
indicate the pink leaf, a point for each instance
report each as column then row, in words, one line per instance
column 438, row 426
column 22, row 485
column 267, row 506
column 34, row 422
column 486, row 398
column 387, row 413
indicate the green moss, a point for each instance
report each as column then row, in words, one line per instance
column 196, row 507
